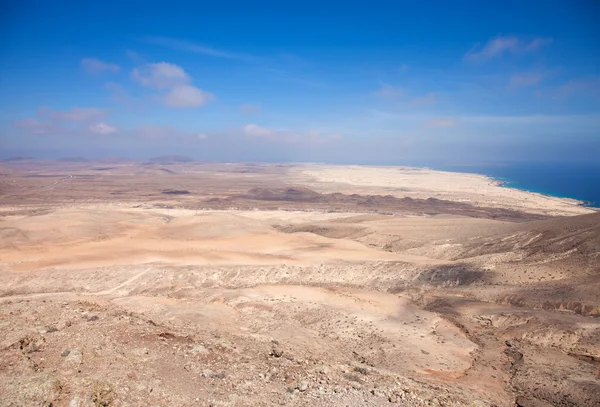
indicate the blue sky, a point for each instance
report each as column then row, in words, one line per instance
column 384, row 82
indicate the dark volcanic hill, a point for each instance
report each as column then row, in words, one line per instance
column 301, row 197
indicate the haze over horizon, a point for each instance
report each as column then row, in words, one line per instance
column 383, row 83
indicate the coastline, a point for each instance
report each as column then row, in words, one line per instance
column 576, row 181
column 424, row 183
column 580, row 202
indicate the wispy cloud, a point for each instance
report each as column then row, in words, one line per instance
column 97, row 66
column 589, row 86
column 34, row 126
column 525, row 79
column 135, row 56
column 255, row 130
column 536, row 119
column 161, row 133
column 389, row 92
column 428, row 100
column 286, row 136
column 501, row 45
column 76, row 114
column 122, row 95
column 102, row 128
column 57, row 122
column 250, row 109
column 441, row 122
column 187, row 46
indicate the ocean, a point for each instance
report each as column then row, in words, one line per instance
column 567, row 180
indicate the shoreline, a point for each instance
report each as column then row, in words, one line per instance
column 527, row 184
column 424, row 182
column 508, row 184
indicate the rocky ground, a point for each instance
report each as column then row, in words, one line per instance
column 168, row 301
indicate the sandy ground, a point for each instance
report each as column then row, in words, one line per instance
column 425, row 183
column 110, row 301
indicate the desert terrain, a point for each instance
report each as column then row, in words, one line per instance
column 177, row 283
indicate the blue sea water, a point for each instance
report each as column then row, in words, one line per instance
column 568, row 180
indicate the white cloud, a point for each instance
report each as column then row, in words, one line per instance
column 390, row 92
column 96, row 66
column 501, row 45
column 187, row 96
column 286, row 136
column 76, row 114
column 34, row 126
column 102, row 128
column 250, row 109
column 161, row 75
column 427, row 100
column 580, row 86
column 257, row 131
column 153, row 132
column 526, row 79
column 441, row 122
column 174, row 82
column 536, row 44
column 63, row 121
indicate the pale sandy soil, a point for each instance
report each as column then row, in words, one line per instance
column 121, row 300
column 476, row 189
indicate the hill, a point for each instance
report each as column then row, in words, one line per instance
column 170, row 159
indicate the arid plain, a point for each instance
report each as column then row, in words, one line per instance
column 175, row 283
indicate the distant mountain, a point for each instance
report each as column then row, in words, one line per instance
column 115, row 160
column 18, row 158
column 73, row 160
column 170, row 159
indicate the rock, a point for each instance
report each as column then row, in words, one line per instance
column 91, row 318
column 75, row 356
column 303, row 386
column 276, row 352
column 65, row 353
column 199, row 349
column 393, row 398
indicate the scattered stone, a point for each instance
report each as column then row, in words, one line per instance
column 361, row 370
column 200, row 349
column 303, row 386
column 65, row 353
column 75, row 356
